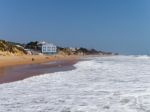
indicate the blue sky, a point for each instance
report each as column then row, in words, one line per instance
column 112, row 25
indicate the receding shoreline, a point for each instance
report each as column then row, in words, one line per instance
column 21, row 67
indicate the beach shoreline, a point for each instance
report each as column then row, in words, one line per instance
column 12, row 70
column 9, row 61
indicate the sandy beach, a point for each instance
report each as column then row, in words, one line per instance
column 13, row 68
column 7, row 61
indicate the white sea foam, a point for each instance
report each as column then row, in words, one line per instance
column 101, row 84
column 143, row 57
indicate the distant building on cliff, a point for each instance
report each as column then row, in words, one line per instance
column 48, row 48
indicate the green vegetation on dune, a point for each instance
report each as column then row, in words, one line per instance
column 10, row 48
column 34, row 45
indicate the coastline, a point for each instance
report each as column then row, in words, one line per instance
column 8, row 61
column 14, row 68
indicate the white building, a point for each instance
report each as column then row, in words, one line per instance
column 49, row 48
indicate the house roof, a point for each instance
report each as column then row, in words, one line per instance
column 42, row 42
column 48, row 44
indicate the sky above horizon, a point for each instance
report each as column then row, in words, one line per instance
column 121, row 26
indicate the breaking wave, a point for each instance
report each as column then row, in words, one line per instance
column 100, row 84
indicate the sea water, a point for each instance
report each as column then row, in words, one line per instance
column 98, row 84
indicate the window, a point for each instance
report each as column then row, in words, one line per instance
column 44, row 49
column 49, row 49
column 53, row 49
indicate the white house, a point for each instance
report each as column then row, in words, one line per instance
column 49, row 48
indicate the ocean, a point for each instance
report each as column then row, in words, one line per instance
column 98, row 84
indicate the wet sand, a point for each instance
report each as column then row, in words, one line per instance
column 15, row 73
